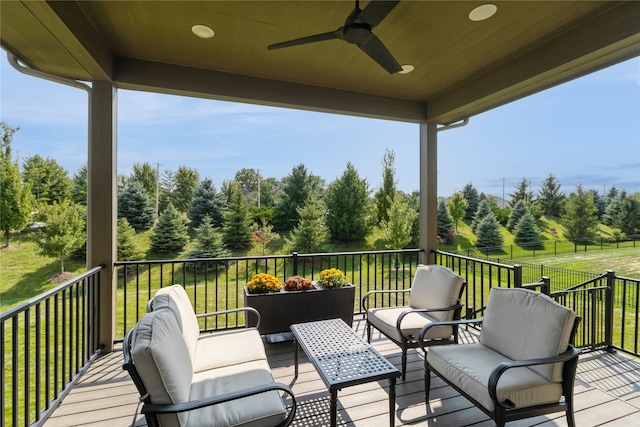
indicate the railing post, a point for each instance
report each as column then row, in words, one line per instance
column 294, row 255
column 546, row 287
column 608, row 313
column 517, row 276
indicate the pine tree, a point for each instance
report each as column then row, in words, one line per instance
column 208, row 244
column 296, row 189
column 64, row 231
column 445, row 223
column 236, row 228
column 580, row 218
column 48, row 180
column 206, row 202
column 470, row 194
column 351, row 214
column 311, row 233
column 128, row 248
column 527, row 232
column 518, row 211
column 550, row 199
column 397, row 229
column 521, row 193
column 612, row 211
column 134, row 204
column 170, row 234
column 483, row 210
column 457, row 205
column 488, row 234
column 629, row 216
column 79, row 186
column 387, row 192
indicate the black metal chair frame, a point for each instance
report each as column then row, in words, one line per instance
column 504, row 411
column 409, row 341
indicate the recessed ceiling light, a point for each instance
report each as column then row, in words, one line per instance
column 406, row 69
column 483, row 12
column 202, row 31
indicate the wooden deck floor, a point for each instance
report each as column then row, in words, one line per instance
column 607, row 394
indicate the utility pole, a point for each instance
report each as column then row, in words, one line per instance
column 258, row 187
column 157, row 187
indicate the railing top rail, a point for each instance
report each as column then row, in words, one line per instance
column 628, row 279
column 573, row 291
column 42, row 297
column 585, row 283
column 493, row 263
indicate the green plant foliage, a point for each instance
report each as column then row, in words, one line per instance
column 146, row 175
column 128, row 248
column 311, row 233
column 208, row 244
column 134, row 205
column 398, row 228
column 206, row 202
column 351, row 214
column 64, row 231
column 170, row 233
column 457, row 205
column 48, row 180
column 488, row 234
column 483, row 210
column 265, row 234
column 628, row 220
column 296, row 189
column 79, row 186
column 526, row 231
column 387, row 192
column 580, row 217
column 236, row 228
column 470, row 194
column 445, row 223
column 519, row 209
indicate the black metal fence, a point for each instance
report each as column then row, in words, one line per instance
column 46, row 343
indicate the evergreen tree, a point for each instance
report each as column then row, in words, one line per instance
column 350, row 211
column 79, row 186
column 387, row 192
column 236, row 222
column 48, row 180
column 522, row 193
column 600, row 202
column 296, row 189
column 470, row 194
column 488, row 234
column 206, row 202
column 526, row 231
column 128, row 248
column 208, row 244
column 612, row 211
column 311, row 233
column 580, row 218
column 170, row 234
column 134, row 205
column 15, row 200
column 397, row 229
column 628, row 220
column 445, row 223
column 518, row 211
column 457, row 205
column 550, row 199
column 64, row 231
column 483, row 210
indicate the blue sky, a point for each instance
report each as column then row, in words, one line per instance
column 583, row 132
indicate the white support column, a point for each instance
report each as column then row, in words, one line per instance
column 102, row 201
column 428, row 190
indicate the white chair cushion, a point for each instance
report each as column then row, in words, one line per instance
column 435, row 286
column 228, row 348
column 176, row 299
column 261, row 410
column 469, row 366
column 384, row 320
column 162, row 360
column 524, row 324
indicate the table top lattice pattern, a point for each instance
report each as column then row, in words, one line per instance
column 339, row 354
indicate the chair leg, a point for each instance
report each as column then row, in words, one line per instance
column 368, row 332
column 427, row 384
column 571, row 422
column 404, row 362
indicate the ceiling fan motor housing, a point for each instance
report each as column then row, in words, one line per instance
column 357, row 33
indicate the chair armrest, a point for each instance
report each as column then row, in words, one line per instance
column 232, row 310
column 172, row 408
column 366, row 296
column 453, row 323
column 423, row 310
column 497, row 372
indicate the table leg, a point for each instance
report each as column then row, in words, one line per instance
column 295, row 357
column 392, row 402
column 333, row 408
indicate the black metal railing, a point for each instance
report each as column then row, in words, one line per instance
column 46, row 343
column 215, row 284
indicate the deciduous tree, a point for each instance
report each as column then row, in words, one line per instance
column 387, row 191
column 147, row 176
column 397, row 229
column 64, row 230
column 457, row 205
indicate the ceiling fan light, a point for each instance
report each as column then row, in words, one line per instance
column 202, row 31
column 406, row 69
column 483, row 12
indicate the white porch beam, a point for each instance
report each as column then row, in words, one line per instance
column 428, row 190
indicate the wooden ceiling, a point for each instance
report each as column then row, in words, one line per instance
column 462, row 67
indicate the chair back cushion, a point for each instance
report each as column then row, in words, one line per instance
column 435, row 286
column 161, row 358
column 523, row 324
column 176, row 299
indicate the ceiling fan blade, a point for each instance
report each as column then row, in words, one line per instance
column 337, row 34
column 379, row 53
column 376, row 11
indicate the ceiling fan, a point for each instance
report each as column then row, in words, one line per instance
column 357, row 30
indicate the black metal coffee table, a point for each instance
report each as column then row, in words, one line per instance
column 343, row 359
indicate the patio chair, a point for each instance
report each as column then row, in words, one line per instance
column 523, row 364
column 434, row 296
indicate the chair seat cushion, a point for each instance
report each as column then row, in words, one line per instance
column 384, row 320
column 468, row 366
column 261, row 410
column 228, row 348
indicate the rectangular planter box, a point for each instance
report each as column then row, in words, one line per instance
column 280, row 310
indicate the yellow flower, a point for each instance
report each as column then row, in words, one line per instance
column 263, row 283
column 332, row 278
